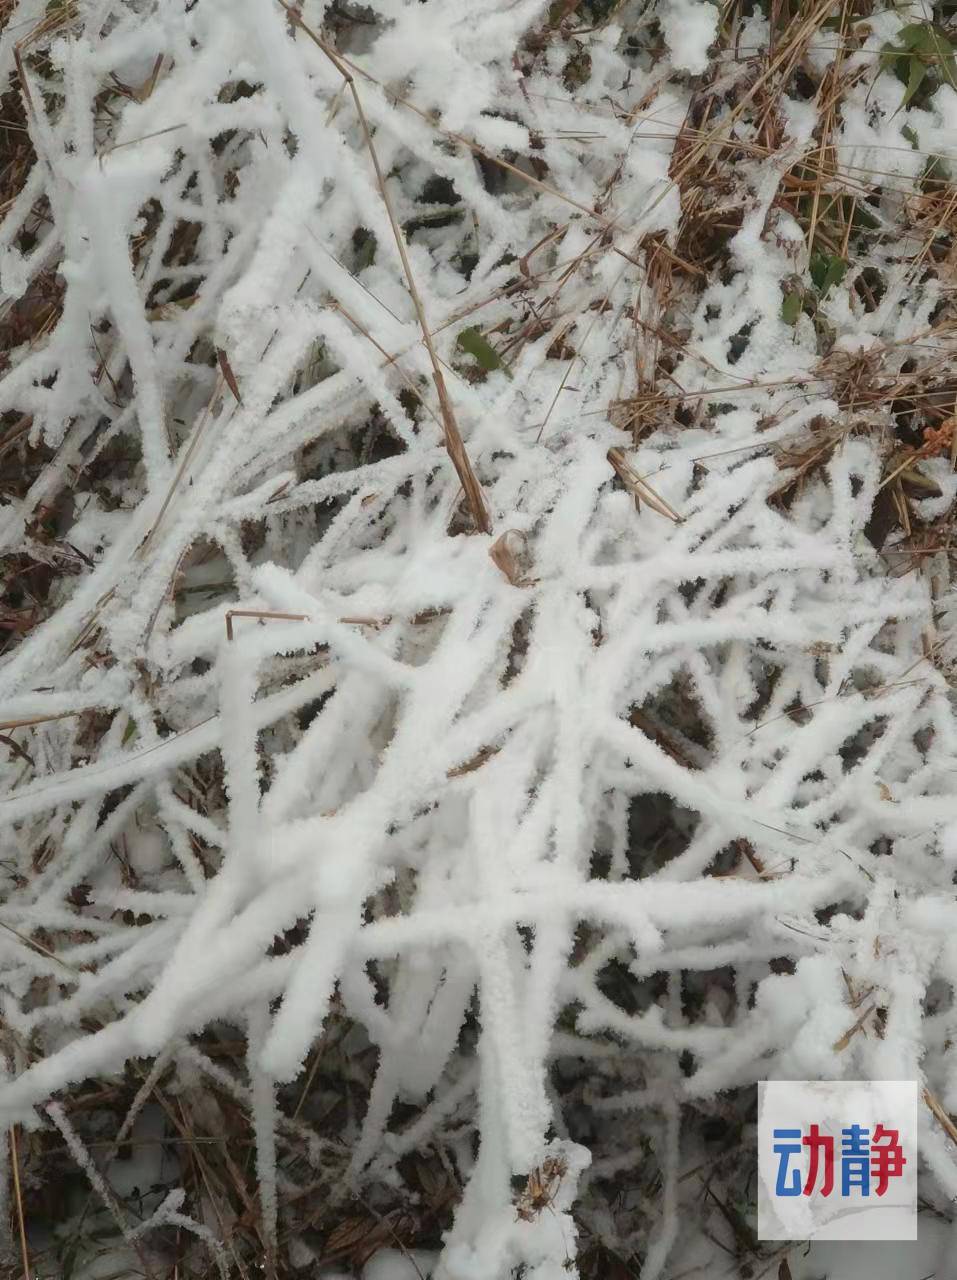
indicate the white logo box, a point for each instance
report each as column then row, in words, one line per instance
column 834, row 1106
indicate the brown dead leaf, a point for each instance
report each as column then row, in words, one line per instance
column 507, row 551
column 227, row 372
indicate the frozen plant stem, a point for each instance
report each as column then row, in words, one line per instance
column 453, row 437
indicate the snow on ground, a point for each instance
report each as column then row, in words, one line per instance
column 478, row 681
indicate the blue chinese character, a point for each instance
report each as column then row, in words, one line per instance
column 855, row 1160
column 787, row 1144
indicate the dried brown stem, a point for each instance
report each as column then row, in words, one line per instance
column 453, row 437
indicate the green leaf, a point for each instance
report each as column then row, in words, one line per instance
column 827, row 269
column 863, row 220
column 920, row 48
column 791, row 307
column 911, row 35
column 364, row 244
column 936, row 171
column 472, row 341
column 129, row 732
column 915, row 78
column 836, row 271
column 933, row 45
column 948, row 63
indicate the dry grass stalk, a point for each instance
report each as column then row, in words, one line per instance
column 639, row 487
column 940, row 1114
column 261, row 614
column 841, row 1043
column 453, row 438
column 18, row 1199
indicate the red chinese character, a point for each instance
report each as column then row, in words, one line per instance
column 887, row 1157
column 818, row 1142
